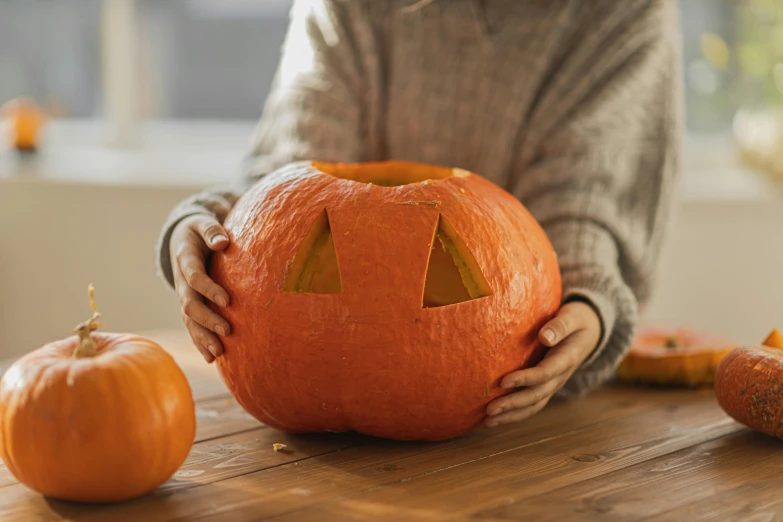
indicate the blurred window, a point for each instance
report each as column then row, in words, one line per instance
column 215, row 59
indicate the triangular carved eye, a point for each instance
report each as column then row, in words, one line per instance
column 315, row 269
column 453, row 276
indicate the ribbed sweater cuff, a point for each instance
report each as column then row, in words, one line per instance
column 590, row 272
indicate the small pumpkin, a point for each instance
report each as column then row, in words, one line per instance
column 385, row 298
column 97, row 417
column 748, row 385
column 26, row 120
column 673, row 357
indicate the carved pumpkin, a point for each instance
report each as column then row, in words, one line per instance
column 673, row 357
column 748, row 386
column 385, row 298
column 95, row 417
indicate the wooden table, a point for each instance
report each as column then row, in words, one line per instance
column 618, row 454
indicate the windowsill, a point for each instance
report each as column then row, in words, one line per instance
column 169, row 153
column 711, row 172
column 196, row 154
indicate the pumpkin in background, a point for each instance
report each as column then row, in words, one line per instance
column 26, row 120
column 673, row 357
column 748, row 386
column 97, row 417
column 384, row 298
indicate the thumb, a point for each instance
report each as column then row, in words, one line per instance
column 563, row 325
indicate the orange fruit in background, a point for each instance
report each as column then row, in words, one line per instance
column 26, row 119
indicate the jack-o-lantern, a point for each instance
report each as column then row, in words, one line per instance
column 385, row 298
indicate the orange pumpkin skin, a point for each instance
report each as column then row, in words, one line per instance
column 372, row 359
column 749, row 387
column 104, row 428
column 690, row 361
column 774, row 339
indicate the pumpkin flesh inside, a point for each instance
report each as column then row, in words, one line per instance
column 392, row 174
column 315, row 269
column 453, row 276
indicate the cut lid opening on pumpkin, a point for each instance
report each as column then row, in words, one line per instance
column 315, row 269
column 453, row 275
column 387, row 173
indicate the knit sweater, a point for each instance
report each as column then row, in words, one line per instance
column 573, row 106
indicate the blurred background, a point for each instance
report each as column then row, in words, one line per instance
column 151, row 100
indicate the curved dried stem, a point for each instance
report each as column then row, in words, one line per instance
column 87, row 347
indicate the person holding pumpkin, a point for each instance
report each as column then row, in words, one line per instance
column 573, row 107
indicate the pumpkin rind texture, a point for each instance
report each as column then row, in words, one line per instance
column 377, row 352
column 749, row 387
column 673, row 357
column 103, row 428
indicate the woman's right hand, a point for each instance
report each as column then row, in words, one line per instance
column 192, row 241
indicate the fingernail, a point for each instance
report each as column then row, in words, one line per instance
column 212, row 349
column 510, row 385
column 491, row 424
column 219, row 329
column 497, row 411
column 549, row 335
column 221, row 301
column 218, row 238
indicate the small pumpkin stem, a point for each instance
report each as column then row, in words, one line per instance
column 87, row 347
column 671, row 343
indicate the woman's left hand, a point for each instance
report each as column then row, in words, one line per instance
column 571, row 337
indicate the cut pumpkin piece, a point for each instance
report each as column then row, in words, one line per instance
column 774, row 339
column 674, row 357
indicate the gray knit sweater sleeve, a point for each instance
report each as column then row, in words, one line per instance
column 312, row 112
column 573, row 106
column 600, row 161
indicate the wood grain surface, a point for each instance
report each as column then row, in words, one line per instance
column 618, row 454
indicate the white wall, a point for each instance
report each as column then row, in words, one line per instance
column 723, row 269
column 57, row 238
